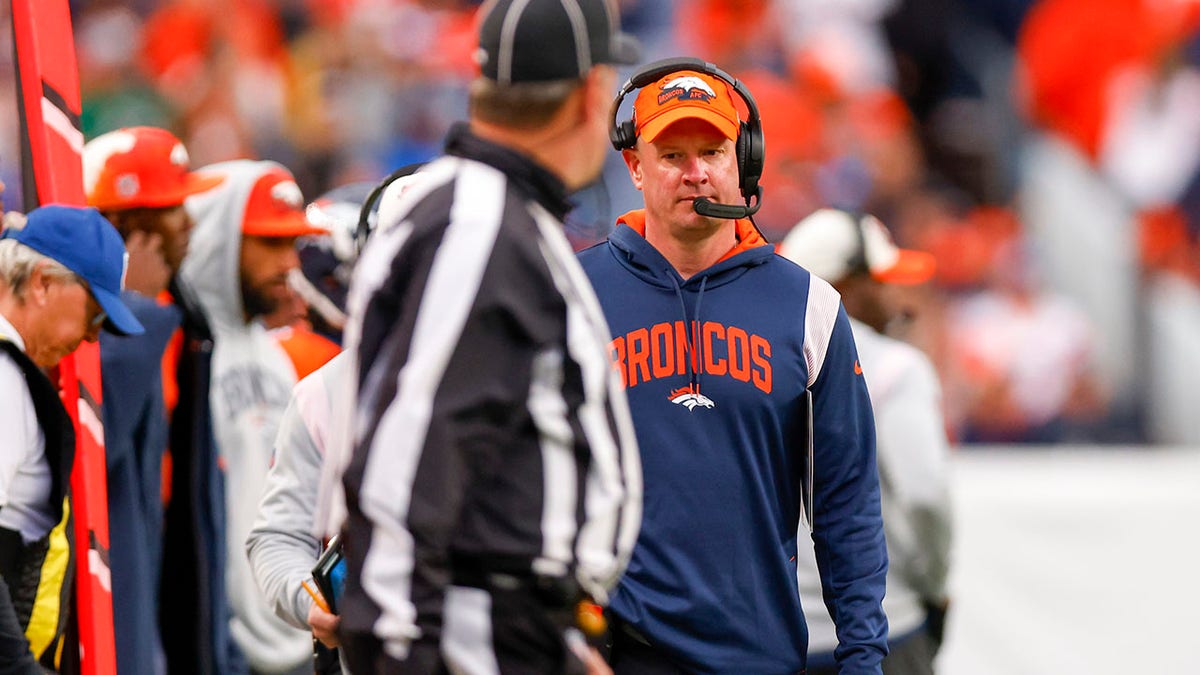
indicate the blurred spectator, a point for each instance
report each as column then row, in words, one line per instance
column 1025, row 357
column 953, row 61
column 841, row 44
column 1170, row 252
column 115, row 92
column 1078, row 91
column 1115, row 138
column 1172, row 315
column 738, row 34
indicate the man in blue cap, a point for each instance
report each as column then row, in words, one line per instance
column 60, row 281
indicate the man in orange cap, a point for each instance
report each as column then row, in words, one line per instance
column 138, row 178
column 747, row 398
column 242, row 251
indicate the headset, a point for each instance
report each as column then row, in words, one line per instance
column 371, row 203
column 858, row 263
column 749, row 149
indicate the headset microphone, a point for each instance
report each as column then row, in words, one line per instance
column 710, row 209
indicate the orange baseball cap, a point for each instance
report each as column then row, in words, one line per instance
column 684, row 94
column 275, row 207
column 139, row 167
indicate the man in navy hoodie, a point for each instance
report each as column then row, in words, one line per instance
column 730, row 354
column 168, row 558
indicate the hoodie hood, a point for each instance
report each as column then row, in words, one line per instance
column 211, row 265
column 645, row 262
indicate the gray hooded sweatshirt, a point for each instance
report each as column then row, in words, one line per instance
column 252, row 379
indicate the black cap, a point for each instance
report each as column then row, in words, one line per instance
column 545, row 40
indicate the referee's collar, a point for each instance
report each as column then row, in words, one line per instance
column 532, row 178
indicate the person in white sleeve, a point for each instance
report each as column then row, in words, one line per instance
column 286, row 539
column 61, row 277
column 855, row 253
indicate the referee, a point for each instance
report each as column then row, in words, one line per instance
column 495, row 477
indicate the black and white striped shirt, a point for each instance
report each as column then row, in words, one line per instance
column 489, row 426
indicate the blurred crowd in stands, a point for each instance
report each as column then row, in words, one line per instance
column 1045, row 151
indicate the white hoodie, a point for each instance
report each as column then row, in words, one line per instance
column 914, row 465
column 252, row 379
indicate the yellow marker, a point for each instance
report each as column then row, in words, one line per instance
column 316, row 596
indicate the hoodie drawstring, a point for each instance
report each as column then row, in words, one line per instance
column 694, row 340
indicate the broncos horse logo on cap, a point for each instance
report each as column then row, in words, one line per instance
column 686, row 87
column 287, row 195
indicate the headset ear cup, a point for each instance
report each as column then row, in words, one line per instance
column 742, row 152
column 753, row 159
column 628, row 135
column 622, row 135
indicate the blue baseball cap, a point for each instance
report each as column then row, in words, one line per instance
column 88, row 245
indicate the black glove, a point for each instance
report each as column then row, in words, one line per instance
column 935, row 621
column 325, row 660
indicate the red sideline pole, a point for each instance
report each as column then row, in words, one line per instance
column 53, row 173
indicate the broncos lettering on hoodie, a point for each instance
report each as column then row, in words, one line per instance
column 716, row 368
column 252, row 379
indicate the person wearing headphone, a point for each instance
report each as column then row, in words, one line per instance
column 288, row 533
column 748, row 402
column 854, row 252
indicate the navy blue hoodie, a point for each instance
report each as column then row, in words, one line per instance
column 721, row 426
column 135, row 438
